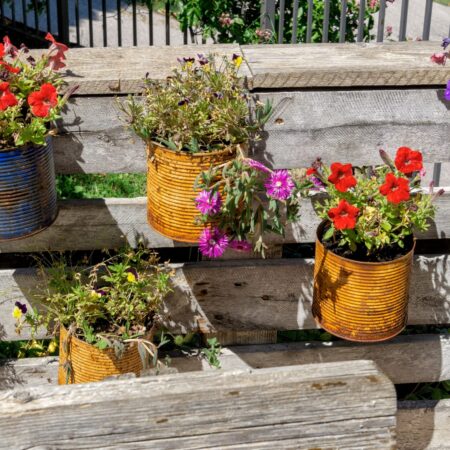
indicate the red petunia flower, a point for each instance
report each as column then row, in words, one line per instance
column 311, row 171
column 342, row 176
column 9, row 48
column 7, row 98
column 43, row 100
column 408, row 161
column 2, row 51
column 395, row 189
column 9, row 68
column 56, row 53
column 344, row 216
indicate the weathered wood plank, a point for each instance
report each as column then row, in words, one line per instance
column 341, row 125
column 121, row 70
column 232, row 297
column 339, row 65
column 110, row 223
column 423, row 425
column 330, row 405
column 404, row 359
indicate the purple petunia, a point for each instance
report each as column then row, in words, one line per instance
column 213, row 242
column 21, row 306
column 279, row 185
column 256, row 165
column 208, row 202
column 241, row 246
column 445, row 42
column 447, row 91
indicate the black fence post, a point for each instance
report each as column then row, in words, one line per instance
column 63, row 21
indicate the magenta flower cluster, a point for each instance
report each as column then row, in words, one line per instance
column 208, row 202
column 441, row 58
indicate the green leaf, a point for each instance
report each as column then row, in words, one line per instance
column 328, row 234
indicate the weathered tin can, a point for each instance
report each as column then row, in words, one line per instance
column 170, row 189
column 28, row 201
column 80, row 362
column 360, row 301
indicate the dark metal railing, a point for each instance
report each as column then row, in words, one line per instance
column 85, row 22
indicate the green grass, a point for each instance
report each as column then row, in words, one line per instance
column 443, row 2
column 99, row 186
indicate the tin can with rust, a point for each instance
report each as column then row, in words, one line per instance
column 28, row 201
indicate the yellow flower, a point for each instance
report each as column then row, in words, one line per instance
column 131, row 278
column 95, row 294
column 237, row 60
column 17, row 313
column 52, row 347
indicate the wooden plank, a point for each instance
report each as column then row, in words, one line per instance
column 404, row 359
column 121, row 70
column 110, row 223
column 338, row 125
column 344, row 65
column 242, row 296
column 331, row 405
column 423, row 425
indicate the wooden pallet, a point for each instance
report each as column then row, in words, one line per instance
column 341, row 102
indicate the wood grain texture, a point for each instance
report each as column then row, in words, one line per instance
column 402, row 359
column 110, row 223
column 423, row 425
column 344, row 65
column 243, row 296
column 115, row 71
column 337, row 125
column 282, row 408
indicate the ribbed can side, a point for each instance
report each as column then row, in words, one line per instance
column 360, row 301
column 88, row 363
column 170, row 189
column 28, row 201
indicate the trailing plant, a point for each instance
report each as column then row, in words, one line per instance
column 29, row 99
column 373, row 210
column 441, row 58
column 108, row 305
column 244, row 200
column 202, row 107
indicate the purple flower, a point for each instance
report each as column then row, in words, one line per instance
column 317, row 183
column 213, row 242
column 101, row 292
column 208, row 202
column 447, row 91
column 202, row 59
column 279, row 185
column 445, row 42
column 218, row 95
column 241, row 246
column 185, row 101
column 22, row 307
column 256, row 165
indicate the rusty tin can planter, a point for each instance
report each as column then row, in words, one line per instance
column 360, row 301
column 170, row 189
column 80, row 362
column 28, row 201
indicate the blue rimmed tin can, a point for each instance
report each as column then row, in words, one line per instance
column 28, row 202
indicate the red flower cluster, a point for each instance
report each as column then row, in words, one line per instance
column 342, row 176
column 311, row 171
column 2, row 51
column 7, row 98
column 408, row 161
column 395, row 189
column 344, row 215
column 43, row 100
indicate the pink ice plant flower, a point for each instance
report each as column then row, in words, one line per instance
column 256, row 165
column 279, row 185
column 208, row 202
column 213, row 242
column 240, row 246
column 439, row 58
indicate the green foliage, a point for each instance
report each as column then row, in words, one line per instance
column 201, row 107
column 212, row 353
column 231, row 21
column 18, row 124
column 108, row 304
column 28, row 349
column 101, row 185
column 430, row 391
